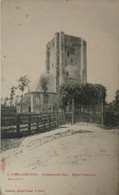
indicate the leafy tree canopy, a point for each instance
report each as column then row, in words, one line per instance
column 114, row 105
column 117, row 97
column 23, row 82
column 12, row 94
column 85, row 94
column 44, row 83
column 5, row 100
column 12, row 91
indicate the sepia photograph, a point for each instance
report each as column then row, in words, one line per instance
column 59, row 97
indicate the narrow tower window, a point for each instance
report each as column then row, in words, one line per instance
column 67, row 74
column 71, row 60
column 67, row 53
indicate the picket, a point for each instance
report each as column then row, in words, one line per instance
column 29, row 124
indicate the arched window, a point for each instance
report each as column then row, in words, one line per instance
column 37, row 100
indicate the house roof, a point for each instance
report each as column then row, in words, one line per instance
column 36, row 87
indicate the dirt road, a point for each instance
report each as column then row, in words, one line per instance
column 71, row 160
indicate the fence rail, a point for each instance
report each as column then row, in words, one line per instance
column 18, row 125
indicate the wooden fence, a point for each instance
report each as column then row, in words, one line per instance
column 18, row 125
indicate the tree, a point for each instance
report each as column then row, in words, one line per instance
column 117, row 97
column 44, row 83
column 12, row 95
column 85, row 94
column 24, row 82
column 111, row 114
column 5, row 101
column 1, row 101
column 67, row 92
column 100, row 92
column 93, row 94
column 114, row 105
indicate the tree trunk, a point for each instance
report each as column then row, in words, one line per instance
column 22, row 103
column 88, row 113
column 72, row 111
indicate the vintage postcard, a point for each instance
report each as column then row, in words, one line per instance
column 59, row 97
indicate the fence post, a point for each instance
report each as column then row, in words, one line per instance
column 18, row 123
column 102, row 112
column 72, row 111
column 29, row 125
column 38, row 123
column 49, row 119
column 57, row 119
column 44, row 117
column 63, row 117
column 60, row 118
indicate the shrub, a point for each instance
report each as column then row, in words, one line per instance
column 111, row 119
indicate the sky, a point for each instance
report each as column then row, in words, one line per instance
column 28, row 25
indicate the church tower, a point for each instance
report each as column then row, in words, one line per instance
column 66, row 59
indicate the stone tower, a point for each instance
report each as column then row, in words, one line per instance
column 66, row 59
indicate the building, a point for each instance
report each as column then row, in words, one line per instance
column 37, row 100
column 66, row 59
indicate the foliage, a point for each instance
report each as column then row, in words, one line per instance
column 67, row 92
column 111, row 119
column 23, row 82
column 114, row 105
column 117, row 97
column 5, row 101
column 111, row 114
column 12, row 93
column 85, row 94
column 44, row 83
column 55, row 106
